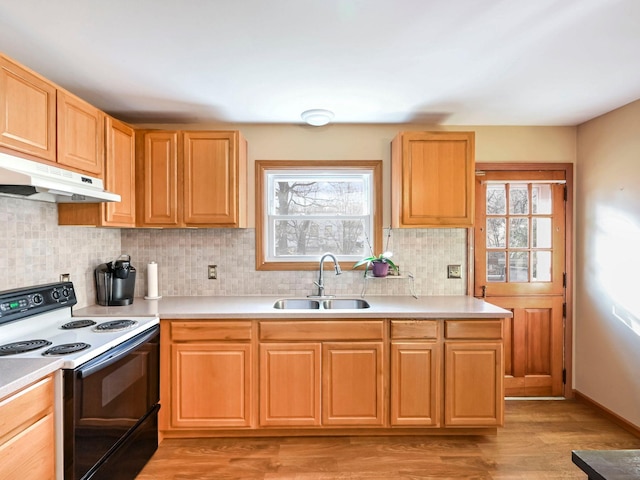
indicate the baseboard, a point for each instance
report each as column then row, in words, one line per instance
column 605, row 412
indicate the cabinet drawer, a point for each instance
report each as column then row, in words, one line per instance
column 26, row 407
column 326, row 330
column 473, row 329
column 418, row 329
column 206, row 331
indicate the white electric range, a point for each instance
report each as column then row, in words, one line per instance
column 37, row 322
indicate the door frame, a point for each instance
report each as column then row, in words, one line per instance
column 569, row 253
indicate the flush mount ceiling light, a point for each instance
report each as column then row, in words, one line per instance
column 317, row 117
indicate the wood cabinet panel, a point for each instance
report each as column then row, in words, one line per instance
column 27, row 448
column 352, row 383
column 415, row 383
column 432, row 177
column 211, row 385
column 290, row 384
column 159, row 181
column 31, row 453
column 193, row 179
column 473, row 329
column 27, row 111
column 80, row 134
column 205, row 331
column 473, row 384
column 119, row 178
column 322, row 330
column 414, row 329
column 212, row 178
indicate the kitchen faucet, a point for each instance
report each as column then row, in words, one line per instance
column 320, row 282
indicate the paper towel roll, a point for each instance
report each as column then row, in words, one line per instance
column 152, row 281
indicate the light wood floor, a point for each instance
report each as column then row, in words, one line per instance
column 535, row 443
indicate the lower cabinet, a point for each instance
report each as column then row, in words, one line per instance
column 210, row 381
column 379, row 375
column 326, row 373
column 474, row 373
column 415, row 373
column 27, row 438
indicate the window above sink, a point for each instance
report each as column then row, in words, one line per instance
column 306, row 208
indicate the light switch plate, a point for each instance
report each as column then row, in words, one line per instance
column 454, row 271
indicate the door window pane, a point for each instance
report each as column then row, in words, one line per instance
column 518, row 232
column 541, row 233
column 541, row 199
column 541, row 266
column 518, row 199
column 496, row 262
column 519, row 267
column 496, row 232
column 496, row 199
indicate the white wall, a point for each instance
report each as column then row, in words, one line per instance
column 607, row 323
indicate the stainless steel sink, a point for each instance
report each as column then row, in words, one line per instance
column 329, row 304
column 345, row 303
column 297, row 303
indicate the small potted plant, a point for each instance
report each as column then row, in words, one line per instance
column 379, row 264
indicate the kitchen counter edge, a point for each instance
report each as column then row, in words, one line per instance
column 17, row 373
column 261, row 307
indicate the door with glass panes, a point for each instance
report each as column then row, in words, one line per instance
column 519, row 264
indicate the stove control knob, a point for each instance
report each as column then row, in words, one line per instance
column 65, row 292
column 37, row 299
column 56, row 295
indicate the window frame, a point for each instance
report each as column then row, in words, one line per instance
column 306, row 166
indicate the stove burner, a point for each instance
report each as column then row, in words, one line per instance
column 77, row 324
column 66, row 348
column 115, row 325
column 22, row 347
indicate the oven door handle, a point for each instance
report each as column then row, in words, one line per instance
column 117, row 352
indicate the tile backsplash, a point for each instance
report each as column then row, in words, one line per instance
column 35, row 250
column 183, row 255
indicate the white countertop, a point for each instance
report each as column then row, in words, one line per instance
column 222, row 307
column 16, row 373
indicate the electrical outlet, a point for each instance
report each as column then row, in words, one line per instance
column 213, row 272
column 454, row 271
column 65, row 277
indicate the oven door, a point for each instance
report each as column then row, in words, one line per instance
column 107, row 401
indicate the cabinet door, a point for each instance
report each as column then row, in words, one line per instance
column 474, row 386
column 31, row 453
column 27, row 111
column 80, row 134
column 160, row 180
column 352, row 381
column 415, row 383
column 27, row 448
column 212, row 171
column 290, row 384
column 120, row 176
column 211, row 385
column 432, row 179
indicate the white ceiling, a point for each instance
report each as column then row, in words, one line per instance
column 457, row 62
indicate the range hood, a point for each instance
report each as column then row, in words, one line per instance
column 31, row 180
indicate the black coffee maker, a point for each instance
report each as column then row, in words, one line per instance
column 115, row 282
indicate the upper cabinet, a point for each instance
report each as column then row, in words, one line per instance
column 192, row 179
column 119, row 178
column 432, row 179
column 80, row 134
column 27, row 111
